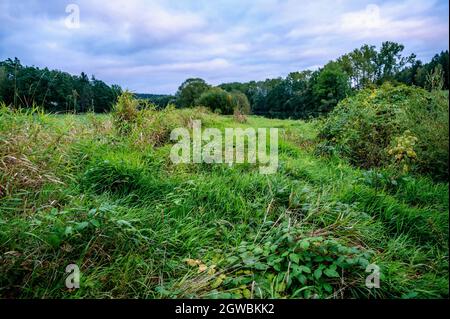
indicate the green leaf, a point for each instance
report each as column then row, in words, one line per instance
column 122, row 222
column 294, row 258
column 328, row 288
column 249, row 260
column 95, row 222
column 317, row 273
column 54, row 240
column 92, row 212
column 304, row 244
column 260, row 266
column 302, row 279
column 331, row 273
column 68, row 231
column 81, row 226
column 305, row 269
column 258, row 251
column 232, row 259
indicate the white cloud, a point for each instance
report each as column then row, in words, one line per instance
column 152, row 45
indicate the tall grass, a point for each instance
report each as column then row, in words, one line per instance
column 81, row 191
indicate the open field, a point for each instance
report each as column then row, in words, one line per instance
column 74, row 190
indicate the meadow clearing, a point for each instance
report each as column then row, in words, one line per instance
column 76, row 190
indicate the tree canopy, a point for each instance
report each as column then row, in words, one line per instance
column 54, row 90
column 300, row 94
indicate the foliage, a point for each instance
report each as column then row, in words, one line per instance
column 403, row 150
column 238, row 116
column 302, row 94
column 435, row 79
column 125, row 113
column 217, row 99
column 290, row 264
column 189, row 91
column 380, row 126
column 53, row 90
column 417, row 73
column 160, row 100
column 331, row 86
column 76, row 190
column 240, row 102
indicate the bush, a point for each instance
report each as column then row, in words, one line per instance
column 399, row 126
column 240, row 102
column 217, row 99
column 125, row 113
column 292, row 264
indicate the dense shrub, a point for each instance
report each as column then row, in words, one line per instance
column 189, row 92
column 291, row 263
column 217, row 99
column 400, row 126
column 240, row 102
column 125, row 112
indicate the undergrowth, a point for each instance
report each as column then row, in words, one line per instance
column 83, row 189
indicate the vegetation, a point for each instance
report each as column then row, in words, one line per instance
column 100, row 191
column 362, row 182
column 189, row 92
column 53, row 90
column 220, row 101
column 159, row 100
column 302, row 94
column 397, row 126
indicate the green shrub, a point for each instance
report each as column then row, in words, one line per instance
column 288, row 263
column 125, row 113
column 399, row 126
column 240, row 103
column 217, row 99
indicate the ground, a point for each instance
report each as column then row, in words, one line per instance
column 75, row 191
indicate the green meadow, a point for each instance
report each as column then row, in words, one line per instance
column 79, row 189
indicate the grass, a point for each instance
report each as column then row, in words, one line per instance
column 75, row 190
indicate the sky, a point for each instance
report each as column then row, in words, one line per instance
column 152, row 46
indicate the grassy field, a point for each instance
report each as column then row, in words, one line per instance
column 74, row 190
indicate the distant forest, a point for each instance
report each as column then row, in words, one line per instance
column 301, row 94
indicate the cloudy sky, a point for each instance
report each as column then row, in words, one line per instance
column 152, row 46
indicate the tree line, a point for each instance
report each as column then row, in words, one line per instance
column 53, row 90
column 301, row 94
column 313, row 93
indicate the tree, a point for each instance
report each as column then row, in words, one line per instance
column 300, row 100
column 217, row 99
column 363, row 65
column 53, row 90
column 417, row 73
column 240, row 102
column 331, row 85
column 390, row 61
column 189, row 91
column 435, row 79
column 410, row 74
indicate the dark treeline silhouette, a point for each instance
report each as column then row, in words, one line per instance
column 312, row 93
column 300, row 95
column 159, row 100
column 53, row 90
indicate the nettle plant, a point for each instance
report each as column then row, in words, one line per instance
column 286, row 263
